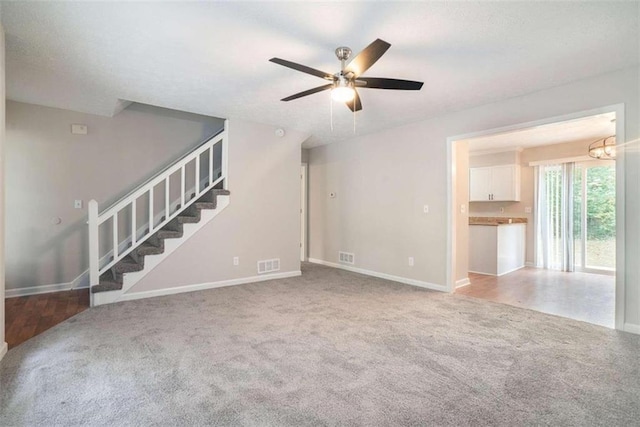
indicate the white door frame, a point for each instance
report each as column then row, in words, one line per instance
column 303, row 212
column 618, row 109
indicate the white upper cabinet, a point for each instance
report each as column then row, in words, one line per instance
column 494, row 184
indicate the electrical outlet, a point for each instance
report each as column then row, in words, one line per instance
column 410, row 261
column 77, row 204
column 236, row 260
column 463, row 208
column 527, row 209
column 501, row 210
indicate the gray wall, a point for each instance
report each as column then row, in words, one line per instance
column 382, row 180
column 48, row 168
column 261, row 222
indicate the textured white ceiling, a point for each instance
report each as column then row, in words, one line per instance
column 585, row 129
column 212, row 58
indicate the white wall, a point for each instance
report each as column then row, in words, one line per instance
column 3, row 344
column 382, row 181
column 48, row 168
column 261, row 222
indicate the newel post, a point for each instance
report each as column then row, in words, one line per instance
column 225, row 156
column 94, row 251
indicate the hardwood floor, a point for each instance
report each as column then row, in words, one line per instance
column 26, row 317
column 580, row 296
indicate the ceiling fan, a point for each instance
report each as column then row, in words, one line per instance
column 343, row 84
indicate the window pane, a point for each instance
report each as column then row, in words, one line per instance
column 601, row 217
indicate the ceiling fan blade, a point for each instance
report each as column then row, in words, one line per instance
column 367, row 57
column 308, row 92
column 355, row 103
column 382, row 83
column 302, row 68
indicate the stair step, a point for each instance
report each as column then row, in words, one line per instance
column 205, row 205
column 148, row 249
column 165, row 233
column 106, row 286
column 108, row 283
column 127, row 265
column 188, row 219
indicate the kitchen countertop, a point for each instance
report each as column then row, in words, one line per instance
column 495, row 220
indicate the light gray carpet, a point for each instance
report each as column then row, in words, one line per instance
column 327, row 348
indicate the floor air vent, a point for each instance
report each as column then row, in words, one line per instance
column 268, row 265
column 346, row 257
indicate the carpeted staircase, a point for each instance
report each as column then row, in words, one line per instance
column 112, row 280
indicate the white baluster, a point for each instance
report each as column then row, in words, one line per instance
column 197, row 175
column 115, row 236
column 182, row 191
column 211, row 179
column 151, row 211
column 134, row 233
column 166, row 199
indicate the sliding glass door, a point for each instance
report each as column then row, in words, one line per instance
column 595, row 216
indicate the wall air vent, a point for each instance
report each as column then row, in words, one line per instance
column 268, row 265
column 346, row 257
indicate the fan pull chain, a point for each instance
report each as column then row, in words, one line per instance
column 354, row 116
column 331, row 109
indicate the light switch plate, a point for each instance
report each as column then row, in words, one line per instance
column 77, row 204
column 463, row 208
column 79, row 129
column 527, row 209
column 425, row 209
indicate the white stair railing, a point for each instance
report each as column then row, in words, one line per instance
column 147, row 190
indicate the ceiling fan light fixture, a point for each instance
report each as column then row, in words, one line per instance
column 343, row 90
column 343, row 93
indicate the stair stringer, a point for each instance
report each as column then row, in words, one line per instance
column 152, row 261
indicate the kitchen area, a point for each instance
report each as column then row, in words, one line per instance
column 497, row 237
column 532, row 219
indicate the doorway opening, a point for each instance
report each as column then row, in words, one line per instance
column 534, row 218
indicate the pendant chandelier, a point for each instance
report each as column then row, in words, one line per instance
column 604, row 149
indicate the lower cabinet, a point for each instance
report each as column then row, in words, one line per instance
column 496, row 249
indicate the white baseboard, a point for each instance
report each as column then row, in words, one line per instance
column 203, row 286
column 529, row 264
column 482, row 272
column 631, row 328
column 497, row 275
column 3, row 350
column 511, row 271
column 406, row 281
column 463, row 282
column 35, row 290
